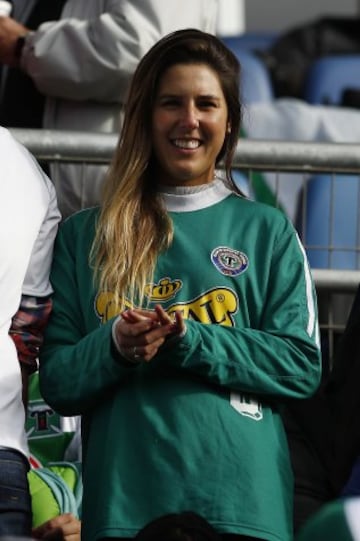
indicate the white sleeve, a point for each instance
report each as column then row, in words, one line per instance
column 92, row 52
column 36, row 282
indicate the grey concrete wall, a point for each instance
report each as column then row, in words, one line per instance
column 280, row 15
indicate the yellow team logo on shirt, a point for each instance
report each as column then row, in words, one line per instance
column 217, row 305
column 164, row 290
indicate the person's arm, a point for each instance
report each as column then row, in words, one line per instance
column 78, row 363
column 93, row 56
column 28, row 324
column 27, row 329
column 281, row 357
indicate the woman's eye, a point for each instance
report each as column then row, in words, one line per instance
column 170, row 103
column 207, row 104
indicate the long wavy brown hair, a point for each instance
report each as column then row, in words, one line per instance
column 133, row 227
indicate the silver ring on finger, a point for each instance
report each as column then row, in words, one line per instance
column 135, row 353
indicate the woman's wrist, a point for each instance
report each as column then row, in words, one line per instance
column 119, row 354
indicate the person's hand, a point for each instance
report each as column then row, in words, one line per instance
column 10, row 32
column 141, row 333
column 64, row 527
column 178, row 325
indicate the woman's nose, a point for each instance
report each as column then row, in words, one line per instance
column 189, row 117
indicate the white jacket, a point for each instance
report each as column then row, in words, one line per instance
column 28, row 225
column 83, row 63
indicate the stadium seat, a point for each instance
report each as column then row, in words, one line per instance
column 255, row 83
column 251, row 41
column 331, row 229
column 333, row 203
column 329, row 76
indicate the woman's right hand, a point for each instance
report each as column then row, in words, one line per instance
column 140, row 333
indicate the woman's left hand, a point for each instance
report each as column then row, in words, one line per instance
column 140, row 333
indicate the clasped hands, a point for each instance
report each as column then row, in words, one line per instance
column 139, row 333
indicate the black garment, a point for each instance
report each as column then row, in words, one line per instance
column 308, row 427
column 351, row 98
column 290, row 56
column 344, row 396
column 324, row 431
column 21, row 104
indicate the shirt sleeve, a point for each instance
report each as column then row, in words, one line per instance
column 279, row 357
column 36, row 282
column 68, row 337
column 27, row 329
column 28, row 324
column 112, row 40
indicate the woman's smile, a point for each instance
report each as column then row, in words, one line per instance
column 186, row 144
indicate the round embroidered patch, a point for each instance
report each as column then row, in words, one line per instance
column 228, row 261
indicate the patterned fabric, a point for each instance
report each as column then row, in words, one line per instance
column 27, row 328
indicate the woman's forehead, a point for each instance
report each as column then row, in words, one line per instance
column 198, row 76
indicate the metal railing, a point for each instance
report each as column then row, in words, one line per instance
column 251, row 156
column 72, row 146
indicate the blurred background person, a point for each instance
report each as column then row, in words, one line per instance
column 335, row 521
column 70, row 64
column 28, row 225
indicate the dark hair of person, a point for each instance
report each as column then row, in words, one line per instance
column 133, row 226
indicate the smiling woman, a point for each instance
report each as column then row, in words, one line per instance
column 189, row 124
column 183, row 316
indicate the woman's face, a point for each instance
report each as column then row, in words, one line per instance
column 189, row 124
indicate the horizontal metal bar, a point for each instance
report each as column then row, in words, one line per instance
column 77, row 146
column 339, row 281
column 67, row 146
column 301, row 157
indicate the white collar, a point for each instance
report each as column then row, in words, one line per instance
column 189, row 198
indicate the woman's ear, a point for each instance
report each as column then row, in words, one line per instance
column 228, row 128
